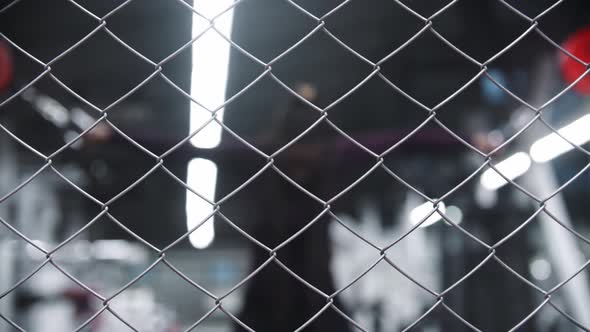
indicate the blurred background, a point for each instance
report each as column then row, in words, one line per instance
column 103, row 89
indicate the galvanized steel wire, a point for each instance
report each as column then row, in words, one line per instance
column 322, row 26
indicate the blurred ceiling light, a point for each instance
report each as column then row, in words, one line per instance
column 511, row 167
column 81, row 119
column 202, row 177
column 540, row 269
column 52, row 110
column 485, row 198
column 455, row 214
column 423, row 210
column 551, row 146
column 208, row 84
column 209, row 69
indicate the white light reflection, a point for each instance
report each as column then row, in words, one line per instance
column 551, row 146
column 511, row 167
column 210, row 69
column 540, row 269
column 455, row 214
column 208, row 86
column 202, row 175
column 421, row 211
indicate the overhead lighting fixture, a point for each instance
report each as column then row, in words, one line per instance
column 209, row 69
column 552, row 146
column 202, row 176
column 208, row 86
column 423, row 210
column 511, row 167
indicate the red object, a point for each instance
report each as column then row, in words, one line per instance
column 577, row 44
column 6, row 68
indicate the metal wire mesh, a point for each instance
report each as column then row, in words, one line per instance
column 380, row 252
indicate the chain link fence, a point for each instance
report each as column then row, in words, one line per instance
column 497, row 170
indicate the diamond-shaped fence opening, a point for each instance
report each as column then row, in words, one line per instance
column 289, row 165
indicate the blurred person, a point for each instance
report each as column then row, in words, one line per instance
column 274, row 299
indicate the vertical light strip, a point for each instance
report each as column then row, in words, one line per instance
column 202, row 175
column 208, row 85
column 210, row 67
